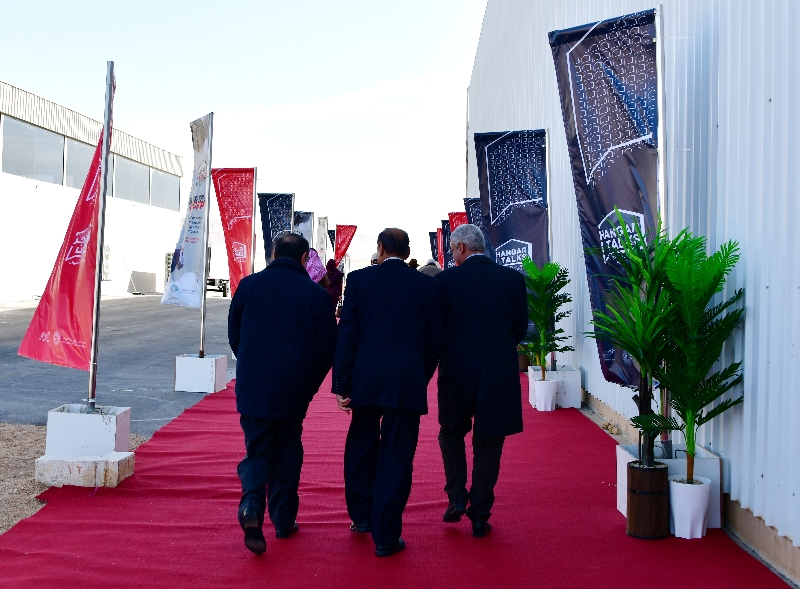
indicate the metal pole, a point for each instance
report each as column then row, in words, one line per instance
column 255, row 204
column 206, row 208
column 101, row 225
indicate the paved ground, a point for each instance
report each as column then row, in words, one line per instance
column 138, row 344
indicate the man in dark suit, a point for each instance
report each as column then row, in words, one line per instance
column 282, row 329
column 390, row 337
column 485, row 314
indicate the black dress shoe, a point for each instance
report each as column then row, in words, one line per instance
column 253, row 536
column 454, row 513
column 389, row 550
column 480, row 529
column 359, row 528
column 283, row 534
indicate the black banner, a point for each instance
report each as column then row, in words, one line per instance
column 276, row 217
column 434, row 245
column 473, row 208
column 332, row 237
column 304, row 225
column 606, row 74
column 449, row 262
column 512, row 178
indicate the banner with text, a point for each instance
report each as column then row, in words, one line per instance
column 60, row 331
column 344, row 235
column 322, row 239
column 185, row 285
column 606, row 75
column 235, row 190
column 512, row 179
column 447, row 255
column 277, row 210
column 457, row 219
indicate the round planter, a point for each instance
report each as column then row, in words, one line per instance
column 545, row 394
column 688, row 506
column 648, row 501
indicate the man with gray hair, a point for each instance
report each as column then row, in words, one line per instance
column 485, row 317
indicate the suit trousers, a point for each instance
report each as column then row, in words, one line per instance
column 378, row 465
column 486, row 453
column 270, row 472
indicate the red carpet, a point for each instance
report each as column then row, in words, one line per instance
column 173, row 524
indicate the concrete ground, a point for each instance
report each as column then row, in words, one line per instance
column 139, row 339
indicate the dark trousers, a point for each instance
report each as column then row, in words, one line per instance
column 486, row 454
column 270, row 472
column 378, row 464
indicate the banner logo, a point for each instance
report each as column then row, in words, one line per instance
column 609, row 231
column 239, row 251
column 77, row 251
column 510, row 254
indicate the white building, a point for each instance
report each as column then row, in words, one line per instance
column 732, row 121
column 46, row 150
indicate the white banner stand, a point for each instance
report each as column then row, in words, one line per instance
column 200, row 375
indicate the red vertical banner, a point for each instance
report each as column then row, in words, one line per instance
column 61, row 329
column 440, row 247
column 235, row 196
column 457, row 219
column 344, row 235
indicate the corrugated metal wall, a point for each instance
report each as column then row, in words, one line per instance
column 38, row 111
column 732, row 129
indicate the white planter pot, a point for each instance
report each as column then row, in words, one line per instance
column 569, row 385
column 706, row 464
column 200, row 375
column 688, row 506
column 545, row 394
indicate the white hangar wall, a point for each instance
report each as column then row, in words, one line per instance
column 732, row 132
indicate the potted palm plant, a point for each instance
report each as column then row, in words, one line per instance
column 697, row 335
column 638, row 313
column 545, row 303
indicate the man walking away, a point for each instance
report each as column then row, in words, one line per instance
column 282, row 329
column 390, row 337
column 485, row 315
column 431, row 268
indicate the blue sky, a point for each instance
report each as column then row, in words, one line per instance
column 357, row 106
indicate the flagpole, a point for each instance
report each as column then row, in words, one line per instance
column 253, row 223
column 206, row 208
column 101, row 220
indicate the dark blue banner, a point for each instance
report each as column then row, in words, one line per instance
column 512, row 179
column 276, row 217
column 606, row 75
column 434, row 245
column 449, row 262
column 332, row 237
column 473, row 208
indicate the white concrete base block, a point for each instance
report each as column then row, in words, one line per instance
column 200, row 375
column 85, row 471
column 569, row 385
column 706, row 464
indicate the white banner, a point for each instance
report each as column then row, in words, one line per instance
column 185, row 285
column 322, row 238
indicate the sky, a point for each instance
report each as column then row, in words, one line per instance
column 356, row 106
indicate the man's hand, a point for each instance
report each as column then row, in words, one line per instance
column 344, row 403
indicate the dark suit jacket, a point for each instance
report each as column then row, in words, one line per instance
column 486, row 316
column 390, row 337
column 282, row 328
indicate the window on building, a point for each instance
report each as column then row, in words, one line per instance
column 131, row 180
column 79, row 158
column 165, row 190
column 32, row 152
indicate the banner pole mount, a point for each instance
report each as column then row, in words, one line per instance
column 101, row 223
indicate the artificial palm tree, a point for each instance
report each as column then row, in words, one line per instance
column 638, row 312
column 545, row 301
column 697, row 335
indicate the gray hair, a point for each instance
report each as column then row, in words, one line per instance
column 470, row 236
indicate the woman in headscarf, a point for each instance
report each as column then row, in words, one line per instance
column 315, row 269
column 335, row 277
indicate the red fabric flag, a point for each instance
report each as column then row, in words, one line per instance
column 61, row 329
column 344, row 235
column 235, row 189
column 440, row 246
column 457, row 219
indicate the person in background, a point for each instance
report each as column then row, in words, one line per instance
column 413, row 264
column 431, row 268
column 384, row 362
column 335, row 282
column 282, row 329
column 373, row 260
column 316, row 270
column 485, row 317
